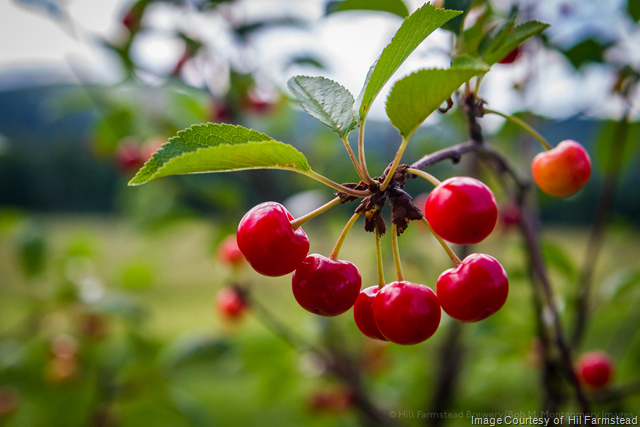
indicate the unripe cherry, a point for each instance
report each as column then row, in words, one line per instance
column 563, row 170
column 474, row 290
column 229, row 253
column 326, row 286
column 363, row 313
column 406, row 313
column 595, row 369
column 462, row 210
column 269, row 242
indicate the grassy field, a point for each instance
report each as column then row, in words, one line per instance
column 173, row 274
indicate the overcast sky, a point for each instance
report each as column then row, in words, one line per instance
column 349, row 42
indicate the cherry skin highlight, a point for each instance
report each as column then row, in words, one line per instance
column 325, row 286
column 406, row 313
column 363, row 313
column 229, row 253
column 595, row 369
column 563, row 170
column 231, row 303
column 462, row 210
column 474, row 290
column 269, row 242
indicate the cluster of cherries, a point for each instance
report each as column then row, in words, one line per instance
column 461, row 210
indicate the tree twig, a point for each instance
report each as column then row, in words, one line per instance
column 596, row 237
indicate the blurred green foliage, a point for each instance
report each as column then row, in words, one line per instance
column 162, row 356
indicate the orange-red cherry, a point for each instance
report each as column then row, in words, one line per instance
column 363, row 313
column 229, row 253
column 595, row 369
column 462, row 210
column 325, row 286
column 563, row 170
column 474, row 290
column 269, row 242
column 406, row 313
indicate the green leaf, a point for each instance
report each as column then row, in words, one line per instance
column 556, row 257
column 502, row 46
column 32, row 249
column 412, row 32
column 472, row 37
column 325, row 100
column 190, row 407
column 397, row 7
column 308, row 60
column 495, row 36
column 457, row 24
column 608, row 143
column 413, row 98
column 586, row 51
column 194, row 350
column 115, row 126
column 219, row 148
column 620, row 282
column 633, row 7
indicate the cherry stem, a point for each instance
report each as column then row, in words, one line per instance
column 296, row 223
column 394, row 165
column 452, row 255
column 422, row 174
column 335, row 185
column 396, row 252
column 381, row 282
column 363, row 163
column 353, row 158
column 343, row 235
column 523, row 125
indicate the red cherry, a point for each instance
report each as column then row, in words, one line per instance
column 462, row 210
column 511, row 56
column 127, row 156
column 220, row 112
column 269, row 242
column 595, row 369
column 563, row 170
column 230, row 302
column 338, row 399
column 363, row 313
column 93, row 326
column 326, row 286
column 150, row 148
column 132, row 19
column 474, row 290
column 256, row 102
column 229, row 253
column 510, row 214
column 406, row 313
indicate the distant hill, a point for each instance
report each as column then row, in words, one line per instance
column 47, row 166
